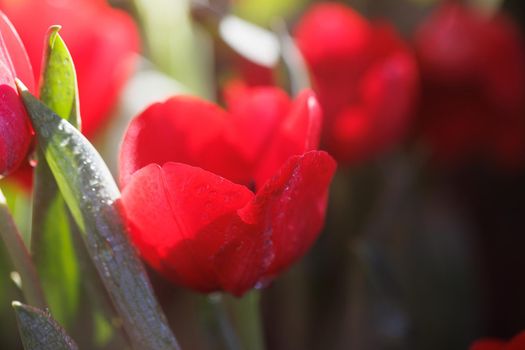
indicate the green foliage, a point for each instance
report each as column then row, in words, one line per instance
column 263, row 12
column 186, row 53
column 91, row 195
column 20, row 257
column 39, row 331
column 52, row 244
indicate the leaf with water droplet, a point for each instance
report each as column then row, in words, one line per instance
column 103, row 228
column 39, row 331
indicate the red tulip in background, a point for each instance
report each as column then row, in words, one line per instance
column 222, row 200
column 15, row 130
column 516, row 343
column 365, row 76
column 102, row 41
column 473, row 76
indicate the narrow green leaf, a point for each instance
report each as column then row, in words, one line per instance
column 58, row 86
column 91, row 195
column 185, row 54
column 39, row 331
column 20, row 257
column 19, row 203
column 247, row 319
column 60, row 258
column 51, row 244
column 263, row 12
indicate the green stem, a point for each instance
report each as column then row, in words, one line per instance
column 20, row 257
column 247, row 319
column 223, row 322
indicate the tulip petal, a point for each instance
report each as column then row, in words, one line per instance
column 517, row 342
column 291, row 207
column 102, row 42
column 180, row 217
column 186, row 130
column 256, row 114
column 333, row 39
column 15, row 131
column 298, row 133
column 19, row 59
column 488, row 344
column 365, row 78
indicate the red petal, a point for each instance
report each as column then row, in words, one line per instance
column 102, row 42
column 15, row 131
column 298, row 133
column 186, row 130
column 17, row 52
column 474, row 82
column 365, row 78
column 334, row 39
column 488, row 344
column 448, row 45
column 517, row 343
column 383, row 114
column 254, row 74
column 104, row 65
column 256, row 114
column 291, row 207
column 181, row 217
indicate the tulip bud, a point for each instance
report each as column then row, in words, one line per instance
column 15, row 129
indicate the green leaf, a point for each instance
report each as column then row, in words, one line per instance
column 91, row 195
column 52, row 244
column 58, row 87
column 39, row 331
column 19, row 203
column 263, row 12
column 20, row 257
column 186, row 53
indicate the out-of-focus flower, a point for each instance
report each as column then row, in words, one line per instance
column 102, row 41
column 15, row 129
column 366, row 79
column 473, row 77
column 516, row 343
column 222, row 200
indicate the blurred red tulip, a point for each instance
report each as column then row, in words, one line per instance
column 15, row 129
column 366, row 79
column 473, row 77
column 222, row 200
column 516, row 343
column 102, row 41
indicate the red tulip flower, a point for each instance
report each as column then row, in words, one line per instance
column 365, row 76
column 225, row 200
column 102, row 41
column 15, row 129
column 473, row 77
column 516, row 343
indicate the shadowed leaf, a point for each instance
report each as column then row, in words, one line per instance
column 91, row 194
column 39, row 331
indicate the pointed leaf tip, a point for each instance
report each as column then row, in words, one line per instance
column 39, row 330
column 90, row 193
